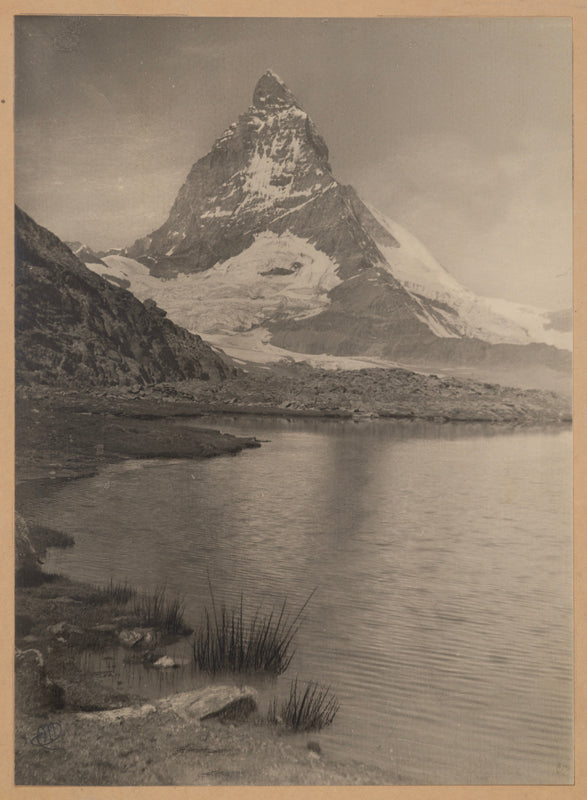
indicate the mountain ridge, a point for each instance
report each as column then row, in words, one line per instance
column 264, row 202
column 73, row 328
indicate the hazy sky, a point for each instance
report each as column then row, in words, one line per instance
column 459, row 129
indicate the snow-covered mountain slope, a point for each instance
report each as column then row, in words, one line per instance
column 490, row 319
column 278, row 275
column 263, row 236
column 537, row 322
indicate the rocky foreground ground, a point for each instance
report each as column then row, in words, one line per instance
column 72, row 729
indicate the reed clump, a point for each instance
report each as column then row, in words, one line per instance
column 161, row 611
column 226, row 642
column 155, row 609
column 118, row 594
column 308, row 708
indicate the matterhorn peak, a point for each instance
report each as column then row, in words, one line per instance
column 272, row 91
column 269, row 239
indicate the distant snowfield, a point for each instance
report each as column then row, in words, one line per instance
column 490, row 319
column 282, row 275
column 229, row 297
column 255, row 346
column 534, row 320
column 277, row 275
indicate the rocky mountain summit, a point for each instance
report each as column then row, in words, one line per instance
column 271, row 160
column 264, row 244
column 75, row 329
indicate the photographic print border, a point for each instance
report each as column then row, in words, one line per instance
column 319, row 8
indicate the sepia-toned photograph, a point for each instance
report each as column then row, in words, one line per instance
column 293, row 401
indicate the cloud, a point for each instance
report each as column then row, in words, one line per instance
column 501, row 223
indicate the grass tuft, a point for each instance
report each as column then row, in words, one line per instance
column 307, row 709
column 161, row 611
column 155, row 609
column 225, row 642
column 118, row 594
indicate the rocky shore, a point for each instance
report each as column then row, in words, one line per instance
column 68, row 435
column 297, row 388
column 62, row 434
column 72, row 729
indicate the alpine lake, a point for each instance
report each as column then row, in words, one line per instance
column 441, row 558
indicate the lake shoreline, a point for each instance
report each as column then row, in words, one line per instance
column 100, row 734
column 64, row 434
column 60, row 435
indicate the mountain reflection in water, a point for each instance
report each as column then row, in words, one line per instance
column 443, row 560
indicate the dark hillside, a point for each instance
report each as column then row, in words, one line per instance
column 74, row 328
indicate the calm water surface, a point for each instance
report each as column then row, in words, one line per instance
column 443, row 560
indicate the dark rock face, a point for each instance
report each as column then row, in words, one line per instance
column 32, row 685
column 270, row 91
column 73, row 328
column 27, row 561
column 264, row 166
column 269, row 173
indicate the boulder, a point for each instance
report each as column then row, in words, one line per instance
column 27, row 562
column 221, row 702
column 64, row 629
column 135, row 636
column 165, row 662
column 225, row 702
column 34, row 690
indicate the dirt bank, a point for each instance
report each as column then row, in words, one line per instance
column 162, row 750
column 68, row 435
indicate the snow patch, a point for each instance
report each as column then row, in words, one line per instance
column 412, row 264
column 217, row 212
column 122, row 267
column 435, row 325
column 534, row 320
column 493, row 320
column 279, row 274
column 255, row 346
